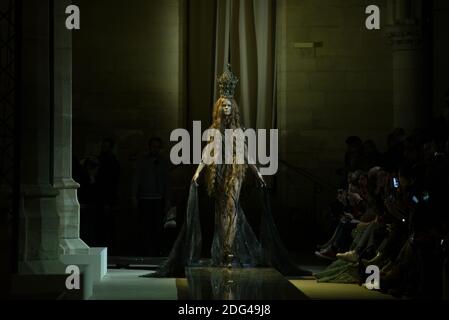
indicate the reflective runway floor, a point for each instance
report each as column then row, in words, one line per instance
column 223, row 284
column 239, row 284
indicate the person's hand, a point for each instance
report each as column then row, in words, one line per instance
column 195, row 178
column 348, row 216
column 261, row 180
column 354, row 198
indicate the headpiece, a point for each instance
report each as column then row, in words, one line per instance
column 227, row 83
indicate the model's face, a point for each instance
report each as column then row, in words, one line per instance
column 226, row 106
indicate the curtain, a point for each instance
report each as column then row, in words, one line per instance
column 251, row 53
column 243, row 35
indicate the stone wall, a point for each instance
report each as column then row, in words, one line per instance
column 127, row 72
column 341, row 87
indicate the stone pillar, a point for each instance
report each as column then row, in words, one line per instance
column 67, row 203
column 49, row 214
column 404, row 32
column 39, row 219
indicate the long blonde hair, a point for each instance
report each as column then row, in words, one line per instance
column 234, row 171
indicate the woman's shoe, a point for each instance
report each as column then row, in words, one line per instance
column 328, row 254
column 350, row 256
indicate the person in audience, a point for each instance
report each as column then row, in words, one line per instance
column 151, row 197
column 372, row 156
column 394, row 217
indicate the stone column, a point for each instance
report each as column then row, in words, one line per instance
column 404, row 32
column 49, row 214
column 39, row 219
column 67, row 203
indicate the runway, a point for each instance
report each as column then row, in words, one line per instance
column 224, row 284
column 239, row 284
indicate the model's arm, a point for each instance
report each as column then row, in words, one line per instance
column 200, row 168
column 198, row 172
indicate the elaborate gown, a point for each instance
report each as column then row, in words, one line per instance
column 234, row 242
column 232, row 235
